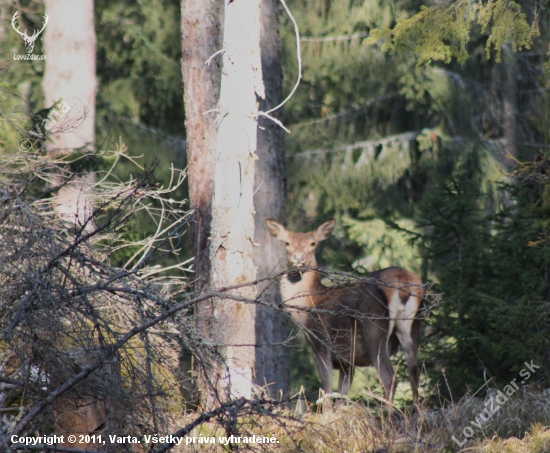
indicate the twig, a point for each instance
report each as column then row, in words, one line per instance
column 214, row 55
column 298, row 56
column 334, row 38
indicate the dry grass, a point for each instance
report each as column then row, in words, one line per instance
column 521, row 425
column 536, row 441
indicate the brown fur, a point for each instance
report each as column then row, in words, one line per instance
column 84, row 416
column 79, row 420
column 382, row 315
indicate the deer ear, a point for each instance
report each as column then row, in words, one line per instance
column 324, row 230
column 276, row 229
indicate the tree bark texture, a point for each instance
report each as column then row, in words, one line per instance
column 201, row 35
column 70, row 76
column 272, row 360
column 232, row 238
column 201, row 28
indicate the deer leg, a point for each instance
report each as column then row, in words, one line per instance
column 410, row 358
column 410, row 350
column 323, row 362
column 381, row 361
column 345, row 377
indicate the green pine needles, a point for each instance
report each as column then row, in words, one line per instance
column 442, row 32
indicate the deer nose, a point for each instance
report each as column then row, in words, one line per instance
column 298, row 258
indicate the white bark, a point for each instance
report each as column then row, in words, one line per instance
column 232, row 241
column 70, row 76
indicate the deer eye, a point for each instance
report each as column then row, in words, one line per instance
column 287, row 243
column 313, row 244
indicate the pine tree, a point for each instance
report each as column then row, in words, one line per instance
column 378, row 136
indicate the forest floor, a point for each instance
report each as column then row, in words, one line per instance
column 519, row 424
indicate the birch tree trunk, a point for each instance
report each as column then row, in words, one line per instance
column 232, row 239
column 70, row 76
column 272, row 362
column 201, row 38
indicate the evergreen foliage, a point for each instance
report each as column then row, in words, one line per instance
column 442, row 32
column 405, row 150
column 140, row 96
column 139, row 54
column 411, row 158
column 139, row 99
column 493, row 272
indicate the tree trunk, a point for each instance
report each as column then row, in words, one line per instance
column 510, row 103
column 232, row 239
column 70, row 76
column 201, row 33
column 201, row 36
column 272, row 362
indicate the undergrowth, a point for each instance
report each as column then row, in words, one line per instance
column 520, row 425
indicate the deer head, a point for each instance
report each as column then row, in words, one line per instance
column 29, row 40
column 300, row 247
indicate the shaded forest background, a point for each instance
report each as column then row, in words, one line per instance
column 413, row 161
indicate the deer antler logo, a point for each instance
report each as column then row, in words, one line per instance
column 29, row 40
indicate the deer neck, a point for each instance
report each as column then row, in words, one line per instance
column 301, row 289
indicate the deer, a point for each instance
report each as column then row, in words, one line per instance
column 358, row 324
column 84, row 416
